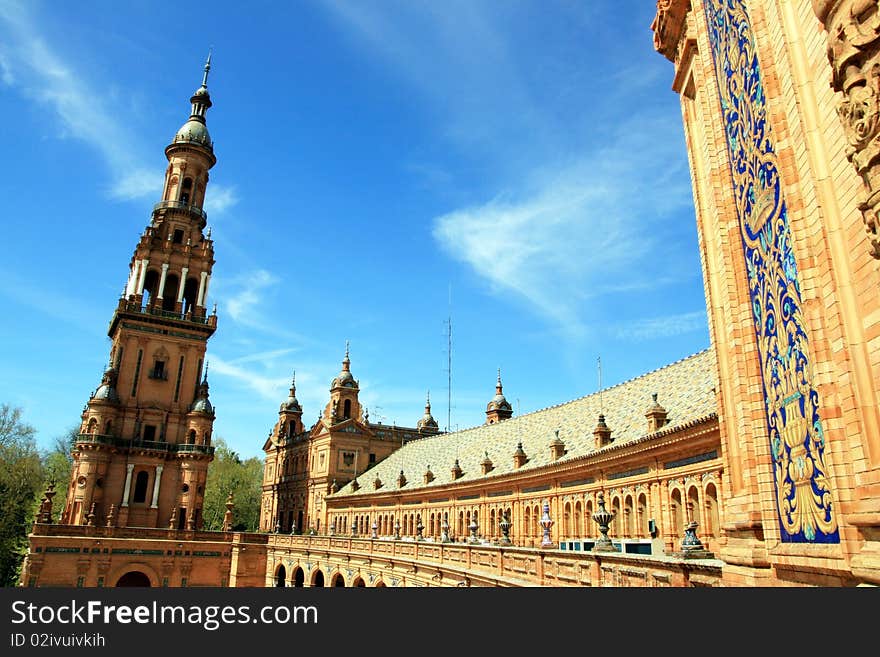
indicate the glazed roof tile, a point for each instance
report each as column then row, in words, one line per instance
column 685, row 388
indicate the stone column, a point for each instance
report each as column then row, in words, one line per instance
column 155, row 503
column 162, row 280
column 133, row 277
column 854, row 53
column 200, row 300
column 183, row 273
column 143, row 274
column 127, row 487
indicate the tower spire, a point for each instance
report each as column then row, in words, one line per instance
column 207, row 69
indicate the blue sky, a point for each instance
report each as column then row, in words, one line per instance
column 382, row 166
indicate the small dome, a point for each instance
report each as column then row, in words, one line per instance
column 203, row 406
column 346, row 379
column 499, row 402
column 107, row 389
column 194, row 131
column 292, row 403
column 201, row 91
column 427, row 421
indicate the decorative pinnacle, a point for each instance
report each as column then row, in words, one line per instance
column 207, row 69
column 206, row 373
column 293, row 381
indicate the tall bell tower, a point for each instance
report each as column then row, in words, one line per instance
column 142, row 455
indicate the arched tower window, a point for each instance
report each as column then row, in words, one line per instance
column 346, row 409
column 151, row 286
column 190, row 292
column 169, row 294
column 140, row 487
column 192, row 437
column 186, row 190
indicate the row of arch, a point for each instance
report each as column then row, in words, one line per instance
column 633, row 513
column 317, row 578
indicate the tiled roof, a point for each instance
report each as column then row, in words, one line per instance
column 684, row 388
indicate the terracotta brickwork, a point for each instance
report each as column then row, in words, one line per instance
column 837, row 277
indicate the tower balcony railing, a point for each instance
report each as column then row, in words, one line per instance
column 136, row 307
column 180, row 205
column 160, row 446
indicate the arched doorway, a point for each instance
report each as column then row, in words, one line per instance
column 380, row 583
column 318, row 579
column 338, row 580
column 359, row 582
column 280, row 576
column 299, row 577
column 133, row 578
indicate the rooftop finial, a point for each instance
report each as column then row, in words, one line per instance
column 293, row 381
column 346, row 349
column 207, row 68
column 206, row 373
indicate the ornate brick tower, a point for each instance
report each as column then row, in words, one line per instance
column 145, row 443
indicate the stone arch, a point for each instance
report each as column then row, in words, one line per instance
column 298, row 577
column 337, row 580
column 628, row 515
column 133, row 578
column 712, row 524
column 379, row 584
column 693, row 504
column 642, row 517
column 616, row 509
column 317, row 578
column 358, row 582
column 577, row 520
column 131, row 567
column 676, row 512
column 280, row 575
column 566, row 520
column 588, row 518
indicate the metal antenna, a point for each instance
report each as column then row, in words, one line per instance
column 448, row 323
column 599, row 365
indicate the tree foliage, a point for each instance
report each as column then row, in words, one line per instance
column 21, row 474
column 228, row 473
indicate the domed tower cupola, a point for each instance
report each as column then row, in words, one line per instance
column 498, row 408
column 291, row 404
column 344, row 379
column 290, row 413
column 200, row 419
column 195, row 130
column 202, row 404
column 107, row 390
column 427, row 424
column 344, row 388
column 101, row 412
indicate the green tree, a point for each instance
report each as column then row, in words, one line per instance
column 57, row 464
column 229, row 474
column 21, row 474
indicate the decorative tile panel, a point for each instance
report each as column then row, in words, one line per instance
column 797, row 443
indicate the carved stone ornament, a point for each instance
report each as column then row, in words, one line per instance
column 668, row 26
column 853, row 28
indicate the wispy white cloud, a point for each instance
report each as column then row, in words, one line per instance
column 29, row 63
column 661, row 327
column 220, row 198
column 5, row 71
column 267, row 386
column 578, row 232
column 248, row 293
